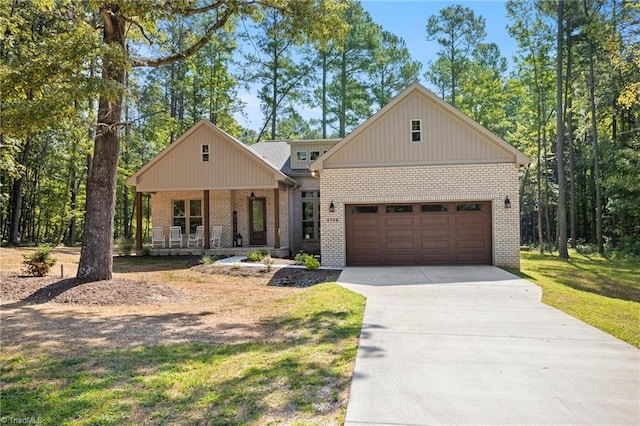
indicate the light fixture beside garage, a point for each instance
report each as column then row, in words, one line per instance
column 507, row 202
column 252, row 197
column 332, row 208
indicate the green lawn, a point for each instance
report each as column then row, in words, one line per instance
column 300, row 377
column 602, row 292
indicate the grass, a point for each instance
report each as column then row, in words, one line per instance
column 301, row 376
column 602, row 292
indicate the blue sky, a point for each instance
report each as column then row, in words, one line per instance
column 407, row 19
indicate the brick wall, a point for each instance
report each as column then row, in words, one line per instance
column 458, row 182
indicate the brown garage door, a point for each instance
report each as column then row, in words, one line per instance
column 419, row 234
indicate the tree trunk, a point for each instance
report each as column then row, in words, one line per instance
column 563, row 251
column 342, row 131
column 96, row 259
column 17, row 196
column 324, row 94
column 594, row 138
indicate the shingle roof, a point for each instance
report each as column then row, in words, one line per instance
column 278, row 154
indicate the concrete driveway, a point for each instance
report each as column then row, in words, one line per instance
column 475, row 345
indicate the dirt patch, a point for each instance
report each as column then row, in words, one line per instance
column 121, row 291
column 149, row 301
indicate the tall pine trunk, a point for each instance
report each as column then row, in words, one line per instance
column 96, row 257
column 594, row 137
column 563, row 251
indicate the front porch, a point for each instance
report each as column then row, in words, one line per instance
column 280, row 252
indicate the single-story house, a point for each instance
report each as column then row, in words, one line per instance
column 418, row 183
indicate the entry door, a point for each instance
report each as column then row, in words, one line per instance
column 258, row 222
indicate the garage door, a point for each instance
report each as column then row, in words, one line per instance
column 419, row 234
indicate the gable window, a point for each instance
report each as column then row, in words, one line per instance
column 187, row 214
column 416, row 130
column 311, row 215
column 313, row 155
column 205, row 153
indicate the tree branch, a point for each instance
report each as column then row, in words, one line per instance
column 166, row 60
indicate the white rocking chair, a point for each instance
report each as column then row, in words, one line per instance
column 158, row 237
column 196, row 239
column 216, row 235
column 175, row 236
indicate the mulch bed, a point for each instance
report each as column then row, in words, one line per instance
column 279, row 277
column 35, row 290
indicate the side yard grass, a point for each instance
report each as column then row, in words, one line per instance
column 298, row 376
column 602, row 292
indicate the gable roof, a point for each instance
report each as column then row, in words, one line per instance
column 348, row 153
column 178, row 166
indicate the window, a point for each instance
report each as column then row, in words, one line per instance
column 205, row 153
column 416, row 130
column 191, row 217
column 313, row 155
column 301, row 155
column 429, row 208
column 400, row 209
column 469, row 207
column 364, row 209
column 311, row 215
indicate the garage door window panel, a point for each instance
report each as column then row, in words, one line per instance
column 364, row 209
column 434, row 208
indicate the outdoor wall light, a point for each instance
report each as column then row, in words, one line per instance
column 252, row 197
column 332, row 208
column 507, row 202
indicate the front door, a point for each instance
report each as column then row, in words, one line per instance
column 258, row 222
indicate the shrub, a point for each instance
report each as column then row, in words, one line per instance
column 307, row 260
column 268, row 262
column 299, row 258
column 146, row 251
column 39, row 263
column 258, row 255
column 311, row 263
column 125, row 246
column 206, row 260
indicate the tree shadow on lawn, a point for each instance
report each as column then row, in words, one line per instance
column 591, row 281
column 81, row 367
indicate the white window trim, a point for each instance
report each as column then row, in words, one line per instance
column 317, row 151
column 306, row 156
column 202, row 153
column 411, row 131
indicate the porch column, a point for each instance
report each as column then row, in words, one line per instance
column 138, row 221
column 207, row 231
column 276, row 217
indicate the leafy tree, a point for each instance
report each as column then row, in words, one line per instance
column 392, row 69
column 457, row 30
column 274, row 68
column 348, row 99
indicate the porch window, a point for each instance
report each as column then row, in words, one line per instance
column 311, row 215
column 187, row 213
column 205, row 153
column 416, row 130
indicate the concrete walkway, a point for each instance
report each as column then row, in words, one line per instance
column 475, row 345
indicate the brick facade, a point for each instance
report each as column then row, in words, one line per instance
column 455, row 182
